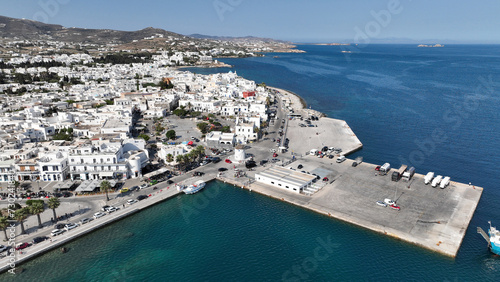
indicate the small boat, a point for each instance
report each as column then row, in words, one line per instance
column 493, row 239
column 196, row 187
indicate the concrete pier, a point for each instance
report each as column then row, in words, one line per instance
column 433, row 218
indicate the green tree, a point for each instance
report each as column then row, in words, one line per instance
column 105, row 186
column 20, row 215
column 170, row 158
column 4, row 223
column 203, row 127
column 37, row 208
column 54, row 203
column 180, row 112
column 171, row 134
column 144, row 136
column 16, row 185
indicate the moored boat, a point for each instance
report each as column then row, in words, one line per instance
column 196, row 187
column 493, row 239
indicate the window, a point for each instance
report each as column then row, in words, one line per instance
column 72, row 160
column 94, row 161
column 55, row 168
column 81, row 161
column 45, row 168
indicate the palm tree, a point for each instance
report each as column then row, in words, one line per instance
column 54, row 203
column 105, row 186
column 180, row 159
column 170, row 158
column 37, row 208
column 20, row 215
column 4, row 223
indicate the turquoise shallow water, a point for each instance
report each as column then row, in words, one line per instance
column 394, row 97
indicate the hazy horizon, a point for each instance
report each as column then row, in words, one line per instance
column 363, row 21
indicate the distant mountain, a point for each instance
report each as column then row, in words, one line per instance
column 234, row 38
column 32, row 30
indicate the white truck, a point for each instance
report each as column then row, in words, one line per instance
column 445, row 182
column 436, row 181
column 428, row 178
column 407, row 175
column 385, row 168
column 341, row 159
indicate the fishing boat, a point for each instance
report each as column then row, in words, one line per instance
column 493, row 238
column 196, row 187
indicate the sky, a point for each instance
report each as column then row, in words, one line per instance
column 358, row 21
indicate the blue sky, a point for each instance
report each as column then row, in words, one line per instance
column 443, row 21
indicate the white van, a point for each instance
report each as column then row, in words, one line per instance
column 341, row 159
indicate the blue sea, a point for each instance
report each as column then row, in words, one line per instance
column 434, row 108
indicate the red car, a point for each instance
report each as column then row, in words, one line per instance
column 228, row 161
column 275, row 155
column 393, row 206
column 377, row 168
column 22, row 246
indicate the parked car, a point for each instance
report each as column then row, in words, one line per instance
column 37, row 240
column 137, row 187
column 377, row 168
column 86, row 220
column 382, row 204
column 141, row 197
column 21, row 246
column 300, row 166
column 111, row 209
column 70, row 226
column 132, row 201
column 142, row 186
column 104, row 208
column 222, row 169
column 3, row 248
column 170, row 181
column 275, row 155
column 56, row 232
column 99, row 214
column 228, row 161
column 389, row 202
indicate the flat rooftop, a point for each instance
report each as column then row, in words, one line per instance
column 287, row 175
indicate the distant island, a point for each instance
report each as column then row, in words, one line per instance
column 430, row 46
column 334, row 44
